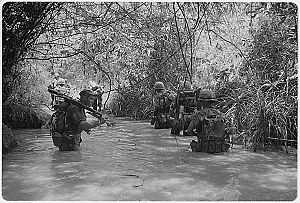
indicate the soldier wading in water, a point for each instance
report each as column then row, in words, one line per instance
column 162, row 101
column 69, row 120
column 207, row 123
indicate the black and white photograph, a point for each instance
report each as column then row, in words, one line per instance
column 149, row 101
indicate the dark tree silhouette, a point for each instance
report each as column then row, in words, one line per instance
column 22, row 24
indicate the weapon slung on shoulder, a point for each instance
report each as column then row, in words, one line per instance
column 75, row 102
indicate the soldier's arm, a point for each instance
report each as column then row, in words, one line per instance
column 81, row 121
column 155, row 101
column 171, row 95
column 88, row 124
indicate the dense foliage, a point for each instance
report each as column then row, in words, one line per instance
column 264, row 103
column 22, row 24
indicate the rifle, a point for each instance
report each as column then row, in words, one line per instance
column 69, row 99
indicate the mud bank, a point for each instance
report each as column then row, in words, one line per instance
column 19, row 116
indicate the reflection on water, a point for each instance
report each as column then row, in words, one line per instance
column 132, row 161
column 231, row 190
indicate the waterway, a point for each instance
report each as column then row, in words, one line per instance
column 132, row 161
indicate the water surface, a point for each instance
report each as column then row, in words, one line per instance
column 133, row 161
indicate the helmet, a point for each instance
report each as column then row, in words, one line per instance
column 187, row 85
column 61, row 81
column 94, row 86
column 159, row 86
column 85, row 95
column 206, row 95
column 56, row 75
column 92, row 83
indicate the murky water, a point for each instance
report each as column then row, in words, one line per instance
column 132, row 161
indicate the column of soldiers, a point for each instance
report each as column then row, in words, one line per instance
column 196, row 117
column 69, row 119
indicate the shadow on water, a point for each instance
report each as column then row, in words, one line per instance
column 132, row 161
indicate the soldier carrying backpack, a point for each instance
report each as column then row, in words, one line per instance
column 69, row 120
column 207, row 123
column 98, row 91
column 162, row 101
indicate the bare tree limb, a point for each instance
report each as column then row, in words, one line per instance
column 53, row 57
column 234, row 45
column 191, row 40
column 99, row 27
column 179, row 41
column 89, row 58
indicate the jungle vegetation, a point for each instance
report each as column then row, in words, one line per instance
column 245, row 52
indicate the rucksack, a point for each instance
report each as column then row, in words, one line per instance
column 162, row 103
column 59, row 121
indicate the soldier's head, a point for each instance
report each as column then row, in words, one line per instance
column 195, row 87
column 56, row 76
column 185, row 85
column 206, row 98
column 94, row 86
column 61, row 82
column 159, row 87
column 87, row 97
column 92, row 98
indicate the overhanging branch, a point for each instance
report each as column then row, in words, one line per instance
column 52, row 57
